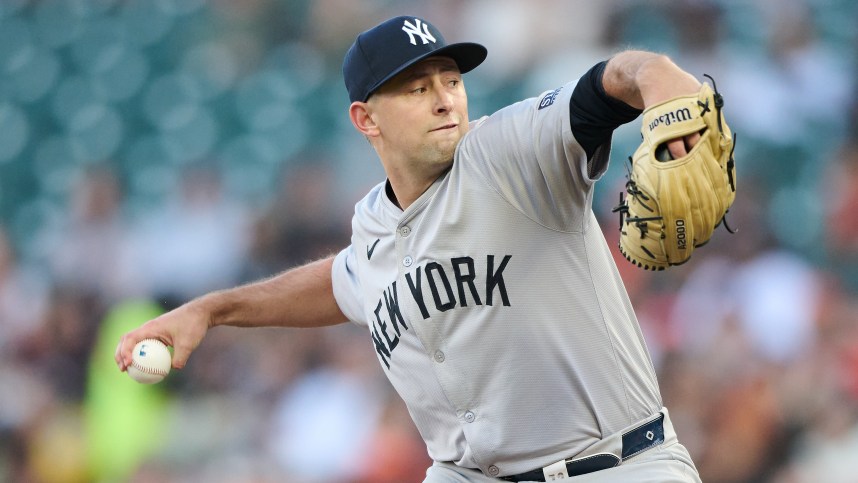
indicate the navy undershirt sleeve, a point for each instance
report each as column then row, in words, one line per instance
column 595, row 115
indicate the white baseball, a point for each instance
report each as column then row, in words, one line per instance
column 150, row 362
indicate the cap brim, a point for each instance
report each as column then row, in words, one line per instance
column 467, row 56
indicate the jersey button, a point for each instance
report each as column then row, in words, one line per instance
column 470, row 417
column 493, row 470
column 407, row 261
column 405, row 231
column 439, row 356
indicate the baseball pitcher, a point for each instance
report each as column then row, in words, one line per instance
column 478, row 268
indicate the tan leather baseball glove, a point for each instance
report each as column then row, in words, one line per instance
column 672, row 206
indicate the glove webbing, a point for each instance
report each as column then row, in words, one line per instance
column 623, row 208
column 731, row 163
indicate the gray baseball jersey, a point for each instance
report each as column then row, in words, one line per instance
column 493, row 302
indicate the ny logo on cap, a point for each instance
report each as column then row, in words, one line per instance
column 412, row 30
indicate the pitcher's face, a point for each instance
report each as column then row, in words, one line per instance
column 422, row 113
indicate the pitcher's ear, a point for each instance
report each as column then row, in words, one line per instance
column 360, row 114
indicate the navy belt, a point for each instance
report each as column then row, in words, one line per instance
column 635, row 441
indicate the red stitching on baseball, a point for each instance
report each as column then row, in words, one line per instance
column 148, row 370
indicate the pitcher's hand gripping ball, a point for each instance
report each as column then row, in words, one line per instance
column 150, row 362
column 672, row 206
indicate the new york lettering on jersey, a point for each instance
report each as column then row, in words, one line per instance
column 437, row 287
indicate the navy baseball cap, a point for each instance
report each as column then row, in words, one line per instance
column 387, row 49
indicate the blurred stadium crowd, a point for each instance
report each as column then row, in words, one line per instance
column 153, row 150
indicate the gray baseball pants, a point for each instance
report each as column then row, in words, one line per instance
column 668, row 462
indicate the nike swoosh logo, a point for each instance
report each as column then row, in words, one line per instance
column 372, row 249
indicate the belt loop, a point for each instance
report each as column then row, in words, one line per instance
column 555, row 471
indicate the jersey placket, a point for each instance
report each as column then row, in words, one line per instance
column 415, row 251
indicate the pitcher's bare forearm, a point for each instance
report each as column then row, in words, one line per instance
column 301, row 297
column 641, row 79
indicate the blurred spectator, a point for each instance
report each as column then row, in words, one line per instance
column 772, row 299
column 744, row 430
column 771, row 295
column 23, row 299
column 196, row 242
column 395, row 452
column 840, row 189
column 324, row 422
column 63, row 348
column 821, row 395
column 827, row 451
column 301, row 222
column 56, row 451
column 777, row 301
column 26, row 401
column 701, row 30
column 125, row 422
column 89, row 247
column 777, row 97
column 333, row 24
